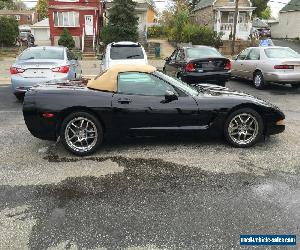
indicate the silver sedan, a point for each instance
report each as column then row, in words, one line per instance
column 264, row 65
column 42, row 64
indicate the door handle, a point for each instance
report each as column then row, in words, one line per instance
column 124, row 100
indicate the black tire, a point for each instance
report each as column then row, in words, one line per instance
column 258, row 80
column 20, row 96
column 258, row 132
column 97, row 141
column 295, row 86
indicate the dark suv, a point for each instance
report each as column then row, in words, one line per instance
column 198, row 64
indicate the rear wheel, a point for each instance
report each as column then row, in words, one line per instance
column 243, row 128
column 258, row 80
column 19, row 96
column 81, row 133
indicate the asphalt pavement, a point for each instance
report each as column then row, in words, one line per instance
column 148, row 193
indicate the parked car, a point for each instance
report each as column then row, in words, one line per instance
column 123, row 53
column 196, row 64
column 26, row 37
column 264, row 65
column 264, row 32
column 42, row 64
column 141, row 100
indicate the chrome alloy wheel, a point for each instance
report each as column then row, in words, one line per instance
column 81, row 134
column 257, row 80
column 243, row 128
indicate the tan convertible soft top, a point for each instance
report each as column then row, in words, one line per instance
column 108, row 80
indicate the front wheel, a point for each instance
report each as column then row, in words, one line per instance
column 243, row 128
column 81, row 133
column 258, row 80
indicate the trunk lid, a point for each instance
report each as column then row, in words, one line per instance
column 209, row 64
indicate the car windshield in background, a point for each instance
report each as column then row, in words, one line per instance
column 126, row 52
column 202, row 53
column 42, row 53
column 281, row 53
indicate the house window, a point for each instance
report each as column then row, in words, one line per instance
column 230, row 17
column 66, row 19
column 17, row 17
column 28, row 18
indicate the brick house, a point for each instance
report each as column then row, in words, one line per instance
column 24, row 17
column 83, row 18
column 219, row 15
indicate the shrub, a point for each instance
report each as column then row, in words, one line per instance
column 8, row 31
column 156, row 32
column 66, row 39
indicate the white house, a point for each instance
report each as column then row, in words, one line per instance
column 41, row 32
column 288, row 25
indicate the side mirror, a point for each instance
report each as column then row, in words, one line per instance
column 167, row 59
column 234, row 57
column 170, row 96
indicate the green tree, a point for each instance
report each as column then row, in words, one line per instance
column 7, row 4
column 66, row 39
column 9, row 31
column 266, row 13
column 122, row 23
column 42, row 9
column 260, row 5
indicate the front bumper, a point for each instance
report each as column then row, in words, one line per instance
column 208, row 77
column 282, row 77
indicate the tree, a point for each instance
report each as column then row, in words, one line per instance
column 42, row 9
column 122, row 23
column 9, row 30
column 260, row 5
column 66, row 39
column 7, row 4
column 266, row 13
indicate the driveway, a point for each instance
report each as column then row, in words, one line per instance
column 148, row 193
column 288, row 43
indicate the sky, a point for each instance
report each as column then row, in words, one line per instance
column 276, row 5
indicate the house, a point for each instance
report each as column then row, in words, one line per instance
column 41, row 32
column 288, row 24
column 219, row 15
column 83, row 19
column 24, row 17
column 146, row 12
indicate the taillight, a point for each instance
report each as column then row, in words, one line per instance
column 227, row 65
column 284, row 67
column 189, row 67
column 62, row 69
column 47, row 115
column 14, row 70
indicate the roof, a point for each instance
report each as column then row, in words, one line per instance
column 43, row 23
column 293, row 5
column 204, row 3
column 258, row 23
column 108, row 80
column 16, row 12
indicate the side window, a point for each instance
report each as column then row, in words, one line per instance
column 136, row 83
column 243, row 54
column 253, row 55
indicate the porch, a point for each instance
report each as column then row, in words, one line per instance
column 224, row 20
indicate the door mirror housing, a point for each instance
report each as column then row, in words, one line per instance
column 167, row 59
column 234, row 57
column 170, row 96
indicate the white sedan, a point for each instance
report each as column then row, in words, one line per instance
column 264, row 65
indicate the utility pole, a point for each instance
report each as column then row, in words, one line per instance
column 235, row 22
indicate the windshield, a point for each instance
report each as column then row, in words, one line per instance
column 126, row 52
column 42, row 53
column 178, row 84
column 202, row 52
column 281, row 53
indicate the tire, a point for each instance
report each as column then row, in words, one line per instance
column 243, row 135
column 295, row 86
column 222, row 84
column 20, row 96
column 87, row 136
column 258, row 80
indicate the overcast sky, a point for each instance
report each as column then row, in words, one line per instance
column 276, row 5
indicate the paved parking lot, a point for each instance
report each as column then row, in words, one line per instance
column 148, row 193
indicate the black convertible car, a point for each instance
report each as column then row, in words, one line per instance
column 139, row 99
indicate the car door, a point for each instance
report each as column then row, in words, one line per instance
column 140, row 104
column 239, row 63
column 170, row 67
column 251, row 62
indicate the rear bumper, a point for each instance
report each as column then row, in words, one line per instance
column 21, row 85
column 209, row 77
column 282, row 77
